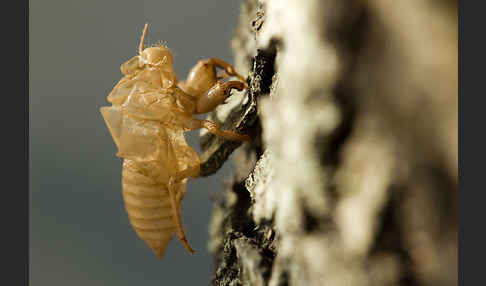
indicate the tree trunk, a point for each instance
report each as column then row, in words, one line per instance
column 351, row 178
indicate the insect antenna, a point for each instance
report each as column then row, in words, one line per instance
column 140, row 47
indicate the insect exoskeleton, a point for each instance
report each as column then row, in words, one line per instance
column 149, row 113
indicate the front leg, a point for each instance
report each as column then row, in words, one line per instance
column 203, row 76
column 216, row 95
column 227, row 67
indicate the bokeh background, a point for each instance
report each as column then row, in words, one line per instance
column 79, row 231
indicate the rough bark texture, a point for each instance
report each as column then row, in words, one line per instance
column 351, row 178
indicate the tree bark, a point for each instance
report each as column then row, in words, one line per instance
column 351, row 178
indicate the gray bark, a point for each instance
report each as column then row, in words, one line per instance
column 351, row 178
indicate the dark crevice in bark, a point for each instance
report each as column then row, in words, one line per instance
column 262, row 239
column 239, row 218
column 239, row 227
column 257, row 144
column 263, row 69
column 311, row 223
column 445, row 190
column 314, row 224
column 236, row 223
column 346, row 32
column 229, row 269
column 389, row 236
column 283, row 279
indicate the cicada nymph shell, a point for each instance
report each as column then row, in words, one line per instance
column 148, row 116
column 146, row 121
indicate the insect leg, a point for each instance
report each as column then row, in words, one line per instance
column 186, row 173
column 213, row 128
column 227, row 67
column 203, row 76
column 177, row 216
column 179, row 196
column 216, row 95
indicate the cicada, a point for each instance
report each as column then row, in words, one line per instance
column 150, row 112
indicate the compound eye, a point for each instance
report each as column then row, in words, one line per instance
column 131, row 65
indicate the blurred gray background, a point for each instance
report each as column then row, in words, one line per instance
column 79, row 231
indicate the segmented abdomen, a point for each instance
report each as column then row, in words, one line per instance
column 148, row 207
